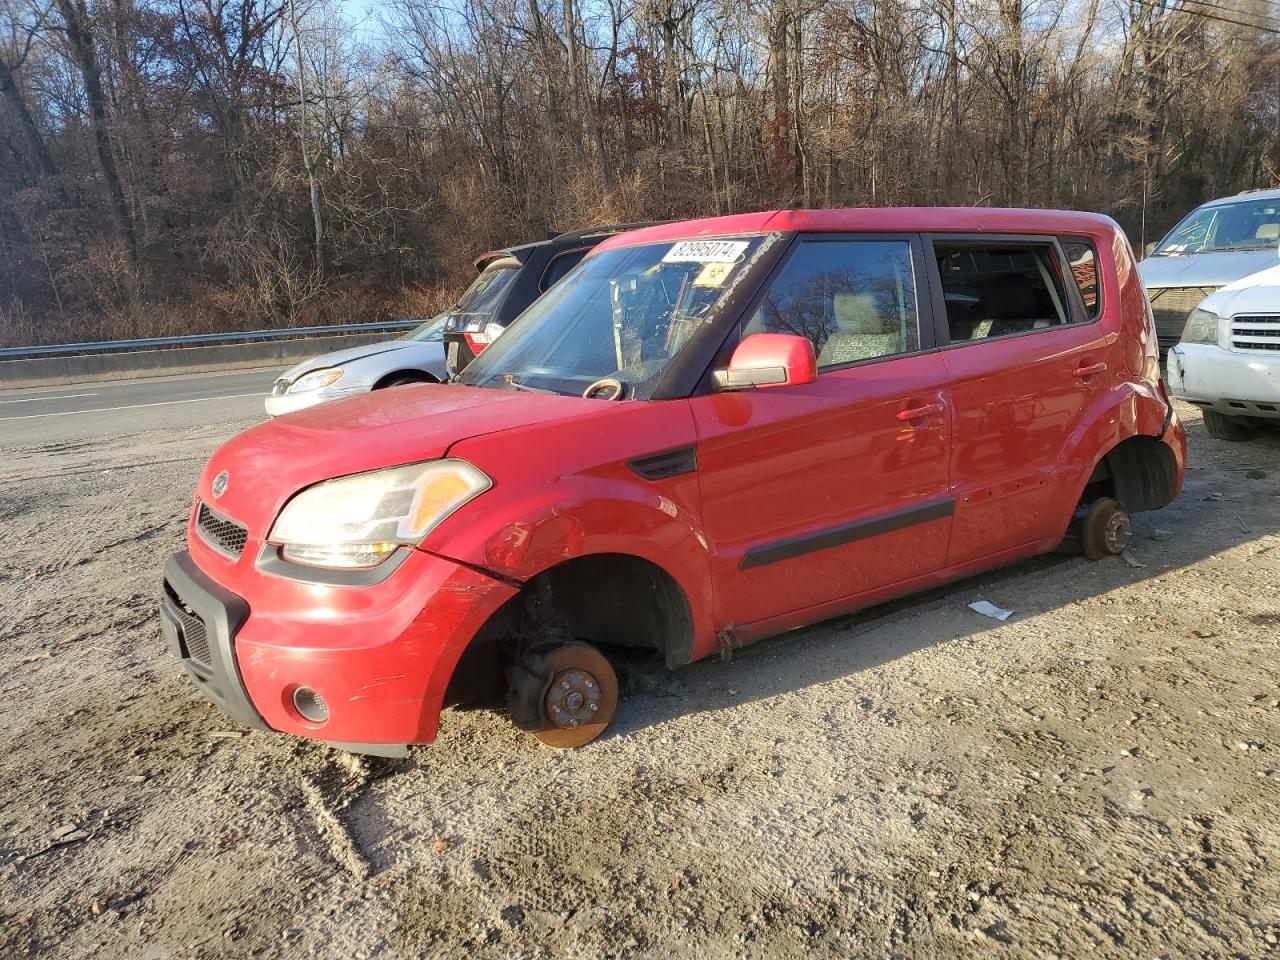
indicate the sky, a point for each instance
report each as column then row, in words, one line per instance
column 363, row 13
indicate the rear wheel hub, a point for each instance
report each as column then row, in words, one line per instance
column 1117, row 532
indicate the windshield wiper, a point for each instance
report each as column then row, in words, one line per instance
column 510, row 380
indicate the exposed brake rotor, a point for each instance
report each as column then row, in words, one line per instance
column 581, row 697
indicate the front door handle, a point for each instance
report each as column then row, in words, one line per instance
column 1089, row 370
column 915, row 413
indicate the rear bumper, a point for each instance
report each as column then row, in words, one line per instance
column 458, row 353
column 379, row 654
column 1236, row 384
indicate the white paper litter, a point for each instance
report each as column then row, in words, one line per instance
column 990, row 610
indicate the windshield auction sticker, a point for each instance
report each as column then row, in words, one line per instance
column 713, row 274
column 706, row 251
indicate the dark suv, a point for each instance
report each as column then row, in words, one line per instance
column 510, row 280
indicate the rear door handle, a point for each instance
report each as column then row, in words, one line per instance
column 1090, row 370
column 915, row 413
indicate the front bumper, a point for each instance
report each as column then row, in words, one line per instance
column 1233, row 383
column 200, row 620
column 380, row 654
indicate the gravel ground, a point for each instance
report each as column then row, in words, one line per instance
column 1099, row 774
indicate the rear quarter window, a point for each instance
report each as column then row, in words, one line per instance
column 1082, row 258
column 559, row 267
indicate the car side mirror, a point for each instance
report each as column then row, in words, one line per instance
column 1149, row 249
column 769, row 360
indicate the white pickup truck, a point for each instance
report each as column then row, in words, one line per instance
column 1228, row 361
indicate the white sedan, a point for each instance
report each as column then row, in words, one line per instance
column 417, row 357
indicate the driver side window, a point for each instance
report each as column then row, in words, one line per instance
column 853, row 299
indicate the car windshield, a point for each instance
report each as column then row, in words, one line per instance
column 430, row 331
column 1243, row 225
column 622, row 314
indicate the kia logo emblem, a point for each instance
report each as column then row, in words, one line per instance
column 220, row 483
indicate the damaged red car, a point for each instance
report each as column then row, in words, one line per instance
column 710, row 432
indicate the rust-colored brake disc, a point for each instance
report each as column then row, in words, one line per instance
column 581, row 699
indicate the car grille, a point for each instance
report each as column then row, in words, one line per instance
column 1171, row 306
column 220, row 532
column 1255, row 332
column 195, row 638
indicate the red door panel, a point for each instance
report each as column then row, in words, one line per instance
column 1016, row 402
column 822, row 491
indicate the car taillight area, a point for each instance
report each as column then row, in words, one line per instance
column 480, row 335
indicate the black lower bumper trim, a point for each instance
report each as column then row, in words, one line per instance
column 200, row 620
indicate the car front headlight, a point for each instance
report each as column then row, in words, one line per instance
column 359, row 521
column 315, row 380
column 1202, row 327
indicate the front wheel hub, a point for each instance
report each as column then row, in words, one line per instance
column 572, row 699
column 580, row 699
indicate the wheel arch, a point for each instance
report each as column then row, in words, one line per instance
column 608, row 599
column 1140, row 472
column 426, row 376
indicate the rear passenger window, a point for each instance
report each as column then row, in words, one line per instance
column 1083, row 261
column 999, row 289
column 854, row 300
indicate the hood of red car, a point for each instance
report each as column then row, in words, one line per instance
column 267, row 464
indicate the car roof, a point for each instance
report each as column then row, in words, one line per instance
column 581, row 237
column 878, row 219
column 1243, row 195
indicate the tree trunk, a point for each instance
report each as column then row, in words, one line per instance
column 35, row 142
column 784, row 161
column 76, row 18
column 308, row 161
column 671, row 75
column 575, row 78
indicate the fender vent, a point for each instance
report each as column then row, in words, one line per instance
column 668, row 463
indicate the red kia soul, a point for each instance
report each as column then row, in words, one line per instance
column 709, row 433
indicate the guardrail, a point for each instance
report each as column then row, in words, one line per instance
column 201, row 339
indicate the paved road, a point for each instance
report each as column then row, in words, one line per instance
column 57, row 414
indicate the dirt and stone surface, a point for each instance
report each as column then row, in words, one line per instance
column 1098, row 775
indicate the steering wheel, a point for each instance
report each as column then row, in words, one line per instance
column 607, row 388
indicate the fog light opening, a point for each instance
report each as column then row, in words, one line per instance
column 310, row 705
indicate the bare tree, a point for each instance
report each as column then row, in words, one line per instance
column 76, row 26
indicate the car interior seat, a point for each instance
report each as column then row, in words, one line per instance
column 860, row 332
column 1009, row 303
column 1267, row 231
